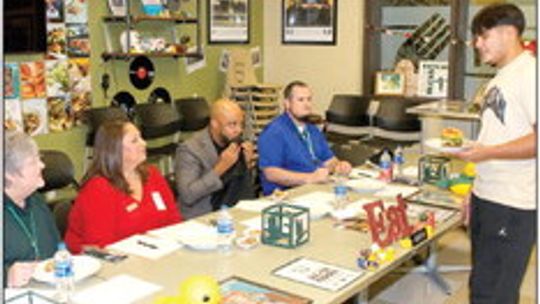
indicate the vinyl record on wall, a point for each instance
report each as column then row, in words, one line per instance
column 159, row 94
column 141, row 72
column 125, row 101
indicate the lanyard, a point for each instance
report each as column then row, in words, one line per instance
column 306, row 138
column 30, row 234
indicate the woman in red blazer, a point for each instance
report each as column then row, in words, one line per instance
column 121, row 195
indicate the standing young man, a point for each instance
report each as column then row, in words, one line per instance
column 503, row 200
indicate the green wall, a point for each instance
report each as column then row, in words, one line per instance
column 170, row 74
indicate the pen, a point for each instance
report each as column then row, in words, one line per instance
column 145, row 244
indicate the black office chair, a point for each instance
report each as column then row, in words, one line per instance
column 348, row 110
column 159, row 122
column 59, row 171
column 59, row 177
column 94, row 117
column 346, row 118
column 392, row 115
column 195, row 113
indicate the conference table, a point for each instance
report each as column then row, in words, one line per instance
column 328, row 244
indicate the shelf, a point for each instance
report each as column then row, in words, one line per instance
column 143, row 18
column 119, row 55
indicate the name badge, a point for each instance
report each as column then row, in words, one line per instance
column 158, row 201
column 131, row 207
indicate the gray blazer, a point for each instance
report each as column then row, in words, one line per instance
column 195, row 179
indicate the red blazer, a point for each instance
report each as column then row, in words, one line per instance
column 102, row 214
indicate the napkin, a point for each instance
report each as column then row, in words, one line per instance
column 392, row 190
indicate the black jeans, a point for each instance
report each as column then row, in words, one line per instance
column 502, row 239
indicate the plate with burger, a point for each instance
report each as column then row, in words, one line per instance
column 451, row 140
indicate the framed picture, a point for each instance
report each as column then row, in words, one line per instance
column 309, row 22
column 55, row 10
column 118, row 7
column 433, row 78
column 389, row 83
column 239, row 290
column 228, row 21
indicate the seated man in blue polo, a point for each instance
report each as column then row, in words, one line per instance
column 293, row 151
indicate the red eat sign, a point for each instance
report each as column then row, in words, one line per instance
column 387, row 225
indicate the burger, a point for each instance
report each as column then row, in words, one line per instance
column 452, row 137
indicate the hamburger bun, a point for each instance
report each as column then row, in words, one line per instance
column 452, row 137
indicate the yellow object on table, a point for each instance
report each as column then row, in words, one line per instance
column 405, row 243
column 469, row 170
column 461, row 189
column 200, row 289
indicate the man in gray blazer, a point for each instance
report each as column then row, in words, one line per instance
column 213, row 167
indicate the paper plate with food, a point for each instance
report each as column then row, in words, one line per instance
column 247, row 242
column 450, row 141
column 83, row 267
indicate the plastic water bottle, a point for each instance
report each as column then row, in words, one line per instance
column 385, row 165
column 63, row 274
column 340, row 192
column 225, row 230
column 399, row 160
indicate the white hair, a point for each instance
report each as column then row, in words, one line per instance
column 18, row 147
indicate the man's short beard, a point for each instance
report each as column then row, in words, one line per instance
column 226, row 141
column 310, row 118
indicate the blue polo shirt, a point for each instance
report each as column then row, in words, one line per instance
column 281, row 145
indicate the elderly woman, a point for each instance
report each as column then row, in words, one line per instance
column 121, row 195
column 30, row 233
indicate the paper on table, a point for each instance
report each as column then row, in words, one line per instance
column 358, row 206
column 360, row 172
column 318, row 274
column 10, row 293
column 179, row 232
column 119, row 290
column 252, row 223
column 254, row 205
column 392, row 190
column 145, row 246
column 411, row 171
column 318, row 202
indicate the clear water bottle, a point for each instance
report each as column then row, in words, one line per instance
column 399, row 160
column 225, row 230
column 340, row 192
column 385, row 165
column 63, row 274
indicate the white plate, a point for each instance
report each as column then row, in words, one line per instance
column 201, row 242
column 437, row 144
column 366, row 185
column 83, row 267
